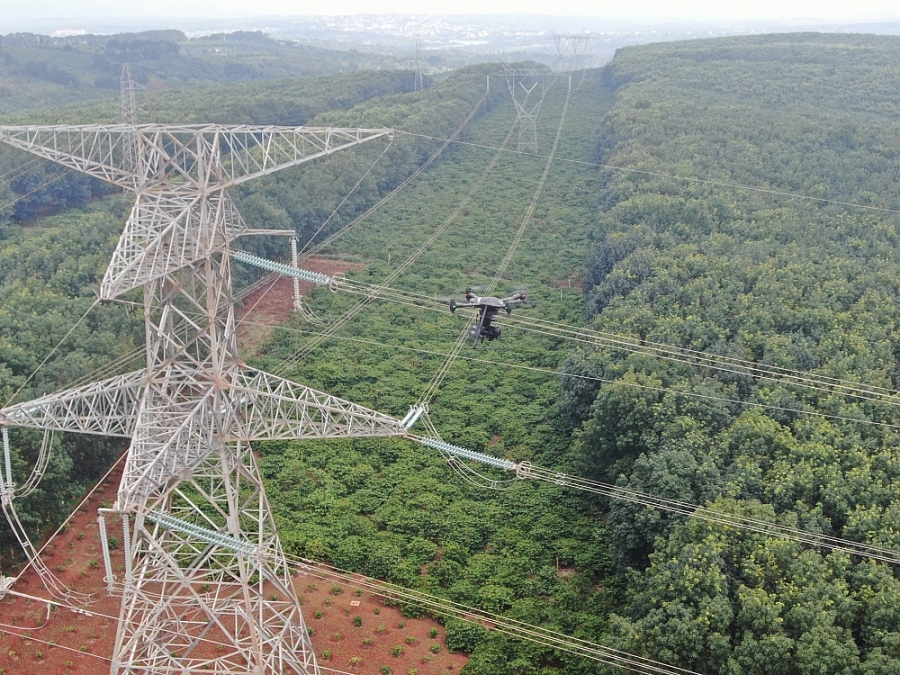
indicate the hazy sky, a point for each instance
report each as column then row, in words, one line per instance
column 72, row 12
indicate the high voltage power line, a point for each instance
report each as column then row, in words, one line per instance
column 625, row 343
column 592, row 378
column 687, row 179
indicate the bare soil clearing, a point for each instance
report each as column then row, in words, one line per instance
column 62, row 641
column 42, row 639
column 273, row 303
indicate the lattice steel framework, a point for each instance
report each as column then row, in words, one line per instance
column 528, row 86
column 128, row 110
column 420, row 78
column 206, row 587
column 571, row 48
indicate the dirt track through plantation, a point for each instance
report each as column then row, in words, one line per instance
column 36, row 640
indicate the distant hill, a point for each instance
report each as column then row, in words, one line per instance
column 39, row 70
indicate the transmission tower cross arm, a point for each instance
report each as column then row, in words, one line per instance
column 256, row 151
column 208, row 156
column 108, row 408
column 278, row 409
column 98, row 151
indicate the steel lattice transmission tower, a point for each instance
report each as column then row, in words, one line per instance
column 571, row 48
column 420, row 76
column 128, row 110
column 528, row 86
column 206, row 587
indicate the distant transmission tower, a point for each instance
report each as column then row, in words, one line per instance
column 528, row 88
column 571, row 48
column 128, row 111
column 206, row 587
column 127, row 106
column 420, row 84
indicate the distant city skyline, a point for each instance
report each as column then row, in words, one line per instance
column 75, row 14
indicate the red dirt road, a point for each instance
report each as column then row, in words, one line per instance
column 40, row 639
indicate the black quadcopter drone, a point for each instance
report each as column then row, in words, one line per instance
column 488, row 307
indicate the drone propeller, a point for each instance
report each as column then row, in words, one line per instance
column 526, row 300
column 449, row 301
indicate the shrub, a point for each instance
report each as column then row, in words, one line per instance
column 463, row 636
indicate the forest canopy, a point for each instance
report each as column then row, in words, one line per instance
column 684, row 258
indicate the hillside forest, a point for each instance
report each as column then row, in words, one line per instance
column 36, row 70
column 718, row 219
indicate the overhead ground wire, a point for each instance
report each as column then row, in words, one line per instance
column 37, row 189
column 22, row 169
column 696, row 358
column 52, row 352
column 687, row 179
column 381, row 202
column 346, row 197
